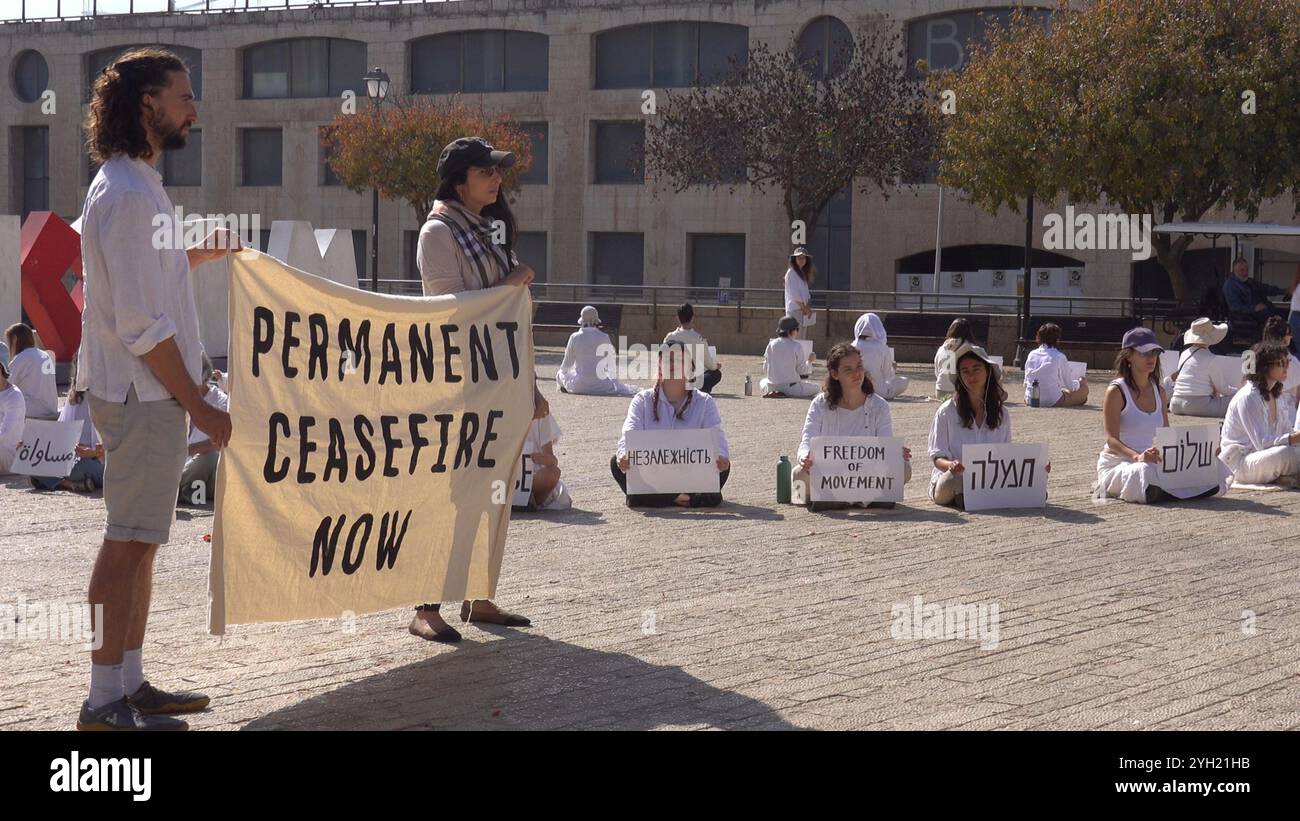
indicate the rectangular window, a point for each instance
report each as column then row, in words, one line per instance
column 184, row 166
column 539, row 172
column 263, row 150
column 530, row 247
column 714, row 256
column 718, row 43
column 34, row 151
column 347, row 67
column 310, row 61
column 623, row 58
column 617, row 259
column 435, row 64
column 675, row 49
column 527, row 61
column 830, row 245
column 620, row 152
column 267, row 71
column 485, row 61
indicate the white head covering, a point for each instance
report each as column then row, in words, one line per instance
column 589, row 316
column 869, row 330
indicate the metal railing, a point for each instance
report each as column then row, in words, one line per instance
column 667, row 297
column 42, row 11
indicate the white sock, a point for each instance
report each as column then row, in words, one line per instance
column 105, row 684
column 132, row 670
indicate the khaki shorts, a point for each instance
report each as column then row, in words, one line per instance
column 145, row 446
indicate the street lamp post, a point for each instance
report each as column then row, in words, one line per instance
column 376, row 89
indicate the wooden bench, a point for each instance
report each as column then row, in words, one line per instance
column 563, row 316
column 927, row 328
column 1091, row 333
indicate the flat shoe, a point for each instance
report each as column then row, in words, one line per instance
column 500, row 617
column 420, row 627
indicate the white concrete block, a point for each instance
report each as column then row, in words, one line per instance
column 293, row 242
column 11, row 282
column 337, row 256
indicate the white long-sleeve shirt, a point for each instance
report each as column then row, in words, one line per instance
column 13, row 415
column 943, row 380
column 1247, row 429
column 947, row 434
column 582, row 368
column 32, row 372
column 1052, row 370
column 690, row 336
column 700, row 414
column 1198, row 376
column 137, row 294
column 796, row 291
column 785, row 361
column 872, row 419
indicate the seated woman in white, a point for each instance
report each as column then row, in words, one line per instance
column 13, row 417
column 1259, row 432
column 975, row 415
column 1133, row 408
column 873, row 343
column 32, row 372
column 588, row 360
column 1050, row 368
column 959, row 333
column 548, row 491
column 1277, row 331
column 786, row 364
column 1196, row 383
column 670, row 405
column 847, row 406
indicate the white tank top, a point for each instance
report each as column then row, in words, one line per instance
column 1137, row 428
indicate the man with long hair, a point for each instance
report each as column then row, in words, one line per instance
column 140, row 364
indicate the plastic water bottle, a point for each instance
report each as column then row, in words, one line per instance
column 1033, row 395
column 749, row 388
column 784, row 471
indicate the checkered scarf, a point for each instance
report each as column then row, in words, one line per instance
column 474, row 235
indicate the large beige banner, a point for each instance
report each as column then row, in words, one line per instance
column 374, row 448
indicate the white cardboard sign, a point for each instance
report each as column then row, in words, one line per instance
column 524, row 481
column 672, row 461
column 1188, row 456
column 48, row 448
column 856, row 469
column 1004, row 476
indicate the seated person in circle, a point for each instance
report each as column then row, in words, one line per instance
column 1051, row 369
column 589, row 361
column 32, row 372
column 873, row 343
column 1195, row 386
column 671, row 405
column 686, row 334
column 87, row 474
column 1280, row 333
column 548, row 491
column 13, row 418
column 959, row 333
column 847, row 406
column 1259, row 431
column 1134, row 406
column 787, row 367
column 199, row 478
column 975, row 415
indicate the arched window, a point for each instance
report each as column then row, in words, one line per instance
column 669, row 55
column 97, row 61
column 31, row 76
column 944, row 40
column 475, row 62
column 304, row 67
column 825, row 47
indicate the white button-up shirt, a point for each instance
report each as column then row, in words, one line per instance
column 1052, row 370
column 947, row 435
column 786, row 361
column 32, row 372
column 702, row 413
column 872, row 419
column 1246, row 426
column 137, row 295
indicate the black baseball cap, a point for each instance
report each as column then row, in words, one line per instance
column 461, row 154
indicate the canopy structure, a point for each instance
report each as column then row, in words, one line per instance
column 1234, row 229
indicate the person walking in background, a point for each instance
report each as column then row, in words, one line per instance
column 786, row 365
column 1050, row 368
column 590, row 361
column 686, row 334
column 873, row 343
column 798, row 284
column 32, row 370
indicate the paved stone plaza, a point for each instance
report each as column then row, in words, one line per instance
column 750, row 616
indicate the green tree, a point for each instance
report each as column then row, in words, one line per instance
column 1142, row 104
column 395, row 147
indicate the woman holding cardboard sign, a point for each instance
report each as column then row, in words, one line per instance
column 670, row 405
column 1134, row 407
column 847, row 406
column 1259, row 437
column 975, row 415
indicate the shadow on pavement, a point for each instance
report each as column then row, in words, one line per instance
column 525, row 681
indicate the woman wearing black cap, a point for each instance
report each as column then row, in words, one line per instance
column 456, row 253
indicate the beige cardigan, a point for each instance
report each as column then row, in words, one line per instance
column 443, row 267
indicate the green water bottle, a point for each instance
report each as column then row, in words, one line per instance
column 784, row 470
